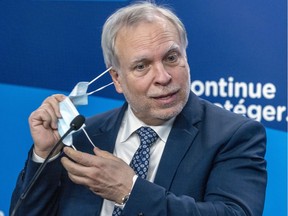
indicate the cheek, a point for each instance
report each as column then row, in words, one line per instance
column 185, row 73
column 181, row 75
column 136, row 86
column 135, row 89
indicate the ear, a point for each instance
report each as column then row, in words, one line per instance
column 116, row 80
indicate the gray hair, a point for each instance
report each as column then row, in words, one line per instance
column 133, row 15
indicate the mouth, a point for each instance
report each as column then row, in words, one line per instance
column 166, row 97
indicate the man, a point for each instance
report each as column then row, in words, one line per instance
column 205, row 160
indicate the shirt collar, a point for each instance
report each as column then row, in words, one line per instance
column 131, row 123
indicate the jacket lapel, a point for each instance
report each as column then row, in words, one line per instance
column 179, row 141
column 105, row 136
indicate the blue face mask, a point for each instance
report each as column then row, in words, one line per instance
column 78, row 96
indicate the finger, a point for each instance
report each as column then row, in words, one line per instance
column 76, row 172
column 79, row 157
column 54, row 101
column 49, row 117
column 79, row 179
column 104, row 154
column 74, row 168
column 51, row 106
column 40, row 117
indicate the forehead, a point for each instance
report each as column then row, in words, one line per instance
column 146, row 36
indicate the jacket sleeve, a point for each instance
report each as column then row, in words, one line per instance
column 236, row 183
column 42, row 198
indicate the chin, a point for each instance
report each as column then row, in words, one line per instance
column 168, row 113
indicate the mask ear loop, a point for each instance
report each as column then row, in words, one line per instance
column 96, row 78
column 85, row 132
column 100, row 75
column 100, row 88
column 73, row 147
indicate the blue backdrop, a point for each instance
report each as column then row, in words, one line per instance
column 237, row 53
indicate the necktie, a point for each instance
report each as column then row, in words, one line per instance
column 140, row 160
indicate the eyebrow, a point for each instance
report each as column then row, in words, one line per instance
column 173, row 47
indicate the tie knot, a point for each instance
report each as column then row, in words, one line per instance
column 147, row 135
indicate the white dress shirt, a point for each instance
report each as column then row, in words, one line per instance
column 127, row 143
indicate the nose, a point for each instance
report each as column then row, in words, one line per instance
column 162, row 76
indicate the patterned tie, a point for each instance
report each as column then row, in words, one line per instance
column 140, row 160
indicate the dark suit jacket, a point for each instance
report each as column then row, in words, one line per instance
column 213, row 164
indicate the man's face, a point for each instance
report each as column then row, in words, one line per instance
column 154, row 74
